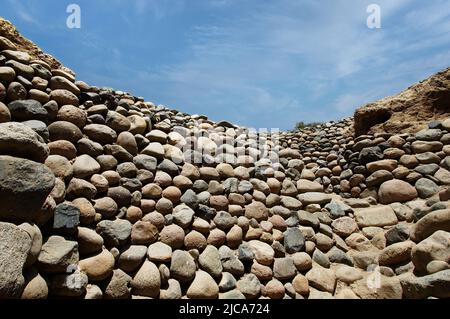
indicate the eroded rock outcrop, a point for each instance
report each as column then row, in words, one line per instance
column 409, row 111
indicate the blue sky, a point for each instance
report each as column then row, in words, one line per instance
column 261, row 64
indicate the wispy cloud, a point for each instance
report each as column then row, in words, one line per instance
column 281, row 56
column 23, row 12
column 158, row 9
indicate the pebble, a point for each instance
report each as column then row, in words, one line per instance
column 249, row 286
column 203, row 287
column 115, row 233
column 98, row 267
column 147, row 281
column 159, row 252
column 182, row 266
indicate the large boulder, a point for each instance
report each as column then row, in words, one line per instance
column 430, row 223
column 17, row 139
column 434, row 285
column 396, row 191
column 435, row 247
column 376, row 216
column 24, row 110
column 24, row 187
column 15, row 244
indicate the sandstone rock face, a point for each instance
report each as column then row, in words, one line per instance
column 408, row 111
column 118, row 198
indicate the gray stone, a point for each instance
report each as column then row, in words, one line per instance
column 190, row 199
column 378, row 178
column 224, row 220
column 39, row 127
column 132, row 258
column 24, row 187
column 68, row 285
column 338, row 209
column 24, row 110
column 115, row 233
column 336, row 255
column 435, row 285
column 245, row 187
column 67, row 217
column 397, row 234
column 284, row 268
column 426, row 187
column 182, row 266
column 245, row 254
column 307, row 219
column 209, row 260
column 320, row 258
column 182, row 215
column 249, row 286
column 429, row 135
column 147, row 162
column 370, row 154
column 293, row 240
column 427, row 169
column 230, row 262
column 227, row 282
